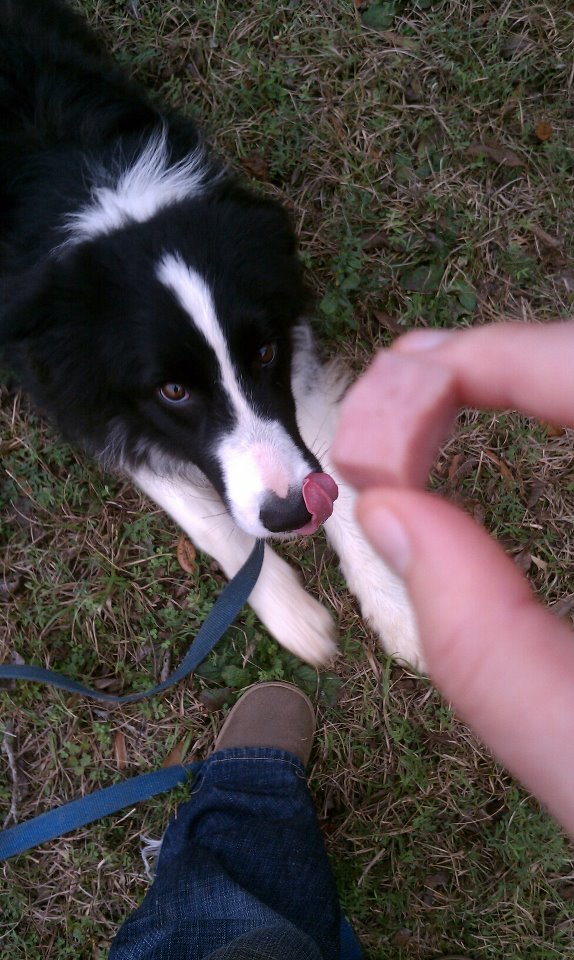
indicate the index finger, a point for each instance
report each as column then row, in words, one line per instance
column 396, row 416
column 518, row 366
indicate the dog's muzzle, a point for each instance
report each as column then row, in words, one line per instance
column 302, row 510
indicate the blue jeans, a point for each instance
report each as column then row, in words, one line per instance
column 242, row 872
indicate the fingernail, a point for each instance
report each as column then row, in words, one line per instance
column 420, row 340
column 389, row 538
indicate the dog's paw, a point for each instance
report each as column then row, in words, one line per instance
column 297, row 621
column 385, row 606
column 307, row 630
column 387, row 610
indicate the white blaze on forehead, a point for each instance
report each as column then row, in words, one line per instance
column 257, row 455
column 194, row 296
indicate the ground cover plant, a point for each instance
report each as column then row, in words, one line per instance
column 426, row 152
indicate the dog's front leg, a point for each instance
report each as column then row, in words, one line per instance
column 296, row 620
column 381, row 595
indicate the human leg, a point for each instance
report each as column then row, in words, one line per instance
column 243, row 866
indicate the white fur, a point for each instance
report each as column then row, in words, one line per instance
column 257, row 456
column 294, row 618
column 138, row 193
column 194, row 296
column 381, row 595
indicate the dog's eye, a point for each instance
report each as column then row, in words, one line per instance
column 173, row 392
column 267, row 354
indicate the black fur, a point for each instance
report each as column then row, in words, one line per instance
column 88, row 328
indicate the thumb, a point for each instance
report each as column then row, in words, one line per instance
column 505, row 663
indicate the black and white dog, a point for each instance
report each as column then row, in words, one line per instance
column 155, row 310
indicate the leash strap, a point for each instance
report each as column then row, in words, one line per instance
column 78, row 813
column 220, row 617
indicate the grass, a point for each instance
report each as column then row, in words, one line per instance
column 423, row 196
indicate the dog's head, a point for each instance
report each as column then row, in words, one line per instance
column 173, row 344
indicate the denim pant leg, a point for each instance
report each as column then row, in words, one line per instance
column 242, row 861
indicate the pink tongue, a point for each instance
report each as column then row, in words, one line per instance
column 319, row 493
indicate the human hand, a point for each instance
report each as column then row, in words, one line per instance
column 505, row 663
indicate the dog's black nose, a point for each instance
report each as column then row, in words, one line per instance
column 283, row 514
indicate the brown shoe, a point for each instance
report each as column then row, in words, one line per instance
column 273, row 714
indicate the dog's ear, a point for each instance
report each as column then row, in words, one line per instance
column 26, row 309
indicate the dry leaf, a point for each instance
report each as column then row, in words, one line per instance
column 374, row 241
column 553, row 429
column 505, row 471
column 215, row 699
column 566, row 891
column 387, row 322
column 566, row 278
column 502, row 155
column 515, row 44
column 554, row 243
column 11, row 586
column 437, row 880
column 536, row 491
column 413, row 91
column 120, row 750
column 175, row 756
column 478, row 512
column 186, row 554
column 563, row 607
column 402, row 937
column 453, row 467
column 7, row 445
column 460, row 469
column 165, row 666
column 256, row 166
column 111, row 684
column 523, row 560
column 543, row 131
column 397, row 40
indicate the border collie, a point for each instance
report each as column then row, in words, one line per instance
column 155, row 310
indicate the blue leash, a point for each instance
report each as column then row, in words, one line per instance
column 78, row 813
